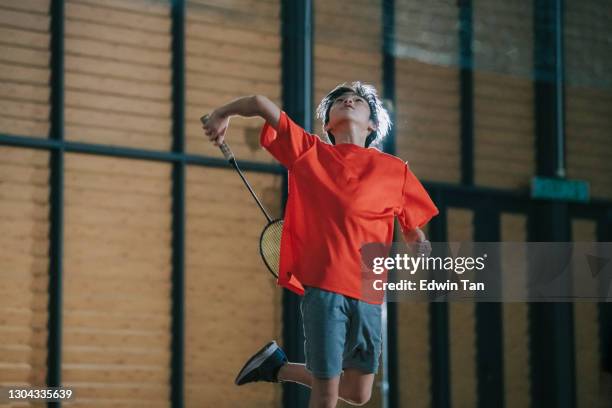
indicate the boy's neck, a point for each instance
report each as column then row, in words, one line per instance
column 350, row 133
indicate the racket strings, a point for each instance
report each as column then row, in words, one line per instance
column 269, row 245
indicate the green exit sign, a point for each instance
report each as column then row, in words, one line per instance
column 559, row 189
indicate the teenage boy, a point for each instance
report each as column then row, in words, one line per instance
column 341, row 195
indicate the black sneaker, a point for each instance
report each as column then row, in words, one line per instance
column 263, row 366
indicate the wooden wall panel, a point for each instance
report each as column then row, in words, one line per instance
column 462, row 324
column 118, row 73
column 515, row 321
column 233, row 306
column 24, row 266
column 347, row 47
column 413, row 354
column 232, row 50
column 589, row 144
column 591, row 388
column 504, row 128
column 117, row 281
column 427, row 81
column 413, row 349
column 504, row 131
column 24, row 67
column 588, row 99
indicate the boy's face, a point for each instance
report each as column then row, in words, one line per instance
column 352, row 107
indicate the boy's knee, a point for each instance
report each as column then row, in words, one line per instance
column 360, row 396
column 356, row 388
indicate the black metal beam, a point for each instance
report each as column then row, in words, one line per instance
column 389, row 146
column 466, row 89
column 178, row 205
column 549, row 87
column 133, row 153
column 388, row 79
column 604, row 234
column 551, row 325
column 56, row 207
column 462, row 196
column 594, row 210
column 489, row 319
column 297, row 56
column 439, row 337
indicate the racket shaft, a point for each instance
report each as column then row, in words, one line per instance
column 246, row 183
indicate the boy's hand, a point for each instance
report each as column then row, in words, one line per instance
column 417, row 242
column 423, row 248
column 419, row 248
column 215, row 125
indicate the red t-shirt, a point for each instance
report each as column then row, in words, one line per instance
column 340, row 197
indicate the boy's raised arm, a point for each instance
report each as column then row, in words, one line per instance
column 215, row 123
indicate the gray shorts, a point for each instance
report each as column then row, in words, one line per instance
column 340, row 332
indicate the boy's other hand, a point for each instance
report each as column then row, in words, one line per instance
column 424, row 248
column 215, row 125
column 417, row 242
column 419, row 248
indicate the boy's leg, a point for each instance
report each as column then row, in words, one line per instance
column 324, row 392
column 362, row 351
column 295, row 372
column 325, row 325
column 334, row 342
column 355, row 386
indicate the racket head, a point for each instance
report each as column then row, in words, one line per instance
column 269, row 245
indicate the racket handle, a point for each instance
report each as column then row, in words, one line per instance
column 229, row 156
column 227, row 152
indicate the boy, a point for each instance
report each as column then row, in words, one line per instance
column 341, row 195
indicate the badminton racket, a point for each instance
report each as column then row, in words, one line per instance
column 270, row 238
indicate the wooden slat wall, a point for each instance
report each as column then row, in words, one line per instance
column 515, row 321
column 233, row 306
column 589, row 144
column 413, row 354
column 117, row 281
column 347, row 47
column 590, row 390
column 589, row 94
column 232, row 50
column 24, row 67
column 503, row 94
column 427, row 82
column 462, row 324
column 413, row 351
column 118, row 73
column 24, row 266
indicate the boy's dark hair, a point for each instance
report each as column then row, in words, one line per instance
column 378, row 114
